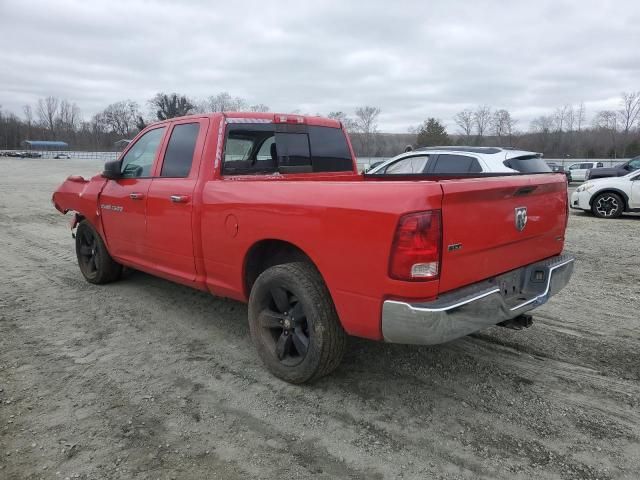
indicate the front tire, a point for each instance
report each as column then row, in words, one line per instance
column 294, row 324
column 607, row 205
column 94, row 260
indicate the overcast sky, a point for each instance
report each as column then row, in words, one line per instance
column 412, row 59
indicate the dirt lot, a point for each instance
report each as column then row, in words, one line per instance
column 146, row 379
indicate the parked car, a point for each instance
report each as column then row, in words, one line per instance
column 270, row 210
column 609, row 197
column 579, row 170
column 10, row 154
column 62, row 155
column 462, row 160
column 619, row 170
column 30, row 155
column 557, row 168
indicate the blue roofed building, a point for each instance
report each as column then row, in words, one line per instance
column 45, row 145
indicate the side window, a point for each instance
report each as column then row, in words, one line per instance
column 634, row 164
column 449, row 163
column 139, row 159
column 575, row 166
column 599, row 165
column 586, row 166
column 408, row 165
column 179, row 155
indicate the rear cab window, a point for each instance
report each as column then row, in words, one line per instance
column 266, row 148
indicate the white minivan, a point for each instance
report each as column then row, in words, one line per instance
column 579, row 170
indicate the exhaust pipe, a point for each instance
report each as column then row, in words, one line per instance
column 519, row 323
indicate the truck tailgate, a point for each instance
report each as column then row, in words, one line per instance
column 482, row 236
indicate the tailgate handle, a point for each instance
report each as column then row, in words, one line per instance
column 525, row 190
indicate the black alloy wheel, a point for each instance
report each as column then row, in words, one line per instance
column 96, row 265
column 294, row 324
column 286, row 324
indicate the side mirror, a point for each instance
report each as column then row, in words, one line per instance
column 112, row 170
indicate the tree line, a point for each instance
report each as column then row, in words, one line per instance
column 565, row 132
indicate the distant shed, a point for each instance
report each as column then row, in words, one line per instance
column 45, row 145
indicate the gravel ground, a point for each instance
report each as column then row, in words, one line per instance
column 146, row 379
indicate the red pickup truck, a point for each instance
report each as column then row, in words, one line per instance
column 270, row 209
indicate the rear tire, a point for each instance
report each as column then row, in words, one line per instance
column 94, row 260
column 607, row 205
column 294, row 324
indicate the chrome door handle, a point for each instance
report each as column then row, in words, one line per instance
column 180, row 198
column 136, row 196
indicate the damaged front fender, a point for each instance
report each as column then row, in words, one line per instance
column 79, row 195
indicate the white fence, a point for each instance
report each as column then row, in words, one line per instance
column 80, row 154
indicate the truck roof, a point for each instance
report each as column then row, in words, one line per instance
column 263, row 117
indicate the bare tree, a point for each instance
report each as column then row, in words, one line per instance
column 68, row 118
column 482, row 119
column 171, row 105
column 223, row 102
column 259, row 107
column 366, row 124
column 628, row 114
column 465, row 120
column 120, row 117
column 560, row 118
column 503, row 124
column 47, row 112
column 367, row 119
column 580, row 116
column 347, row 122
column 28, row 115
column 570, row 118
column 607, row 121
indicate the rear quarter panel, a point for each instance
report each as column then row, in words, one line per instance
column 345, row 227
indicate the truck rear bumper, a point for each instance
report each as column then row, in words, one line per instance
column 472, row 308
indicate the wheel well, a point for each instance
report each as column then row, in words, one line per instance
column 622, row 195
column 266, row 254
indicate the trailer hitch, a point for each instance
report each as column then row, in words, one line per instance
column 519, row 323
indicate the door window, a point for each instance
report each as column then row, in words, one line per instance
column 408, row 165
column 448, row 163
column 179, row 154
column 575, row 166
column 138, row 161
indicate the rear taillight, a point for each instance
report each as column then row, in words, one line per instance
column 415, row 252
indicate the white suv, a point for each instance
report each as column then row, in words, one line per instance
column 462, row 160
column 609, row 197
